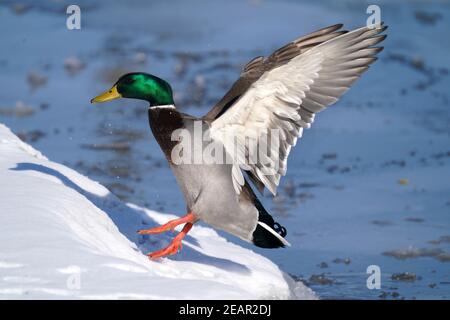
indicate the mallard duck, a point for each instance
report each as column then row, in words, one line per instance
column 279, row 94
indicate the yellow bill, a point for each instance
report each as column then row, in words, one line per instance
column 109, row 95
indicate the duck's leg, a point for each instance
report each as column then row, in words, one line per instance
column 188, row 218
column 174, row 246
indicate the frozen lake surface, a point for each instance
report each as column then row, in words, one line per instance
column 367, row 185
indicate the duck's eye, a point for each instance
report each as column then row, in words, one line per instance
column 129, row 81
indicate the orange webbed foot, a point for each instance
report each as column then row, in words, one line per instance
column 156, row 230
column 169, row 225
column 174, row 246
column 171, row 249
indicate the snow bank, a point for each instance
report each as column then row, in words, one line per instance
column 63, row 236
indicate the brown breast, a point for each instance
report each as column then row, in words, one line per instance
column 163, row 121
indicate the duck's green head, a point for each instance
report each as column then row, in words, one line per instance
column 140, row 86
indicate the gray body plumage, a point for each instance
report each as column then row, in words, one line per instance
column 209, row 193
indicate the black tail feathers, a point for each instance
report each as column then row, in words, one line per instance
column 268, row 233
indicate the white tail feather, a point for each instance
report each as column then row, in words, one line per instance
column 283, row 240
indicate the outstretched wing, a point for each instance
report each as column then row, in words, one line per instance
column 254, row 69
column 279, row 96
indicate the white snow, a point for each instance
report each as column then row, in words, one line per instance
column 64, row 236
